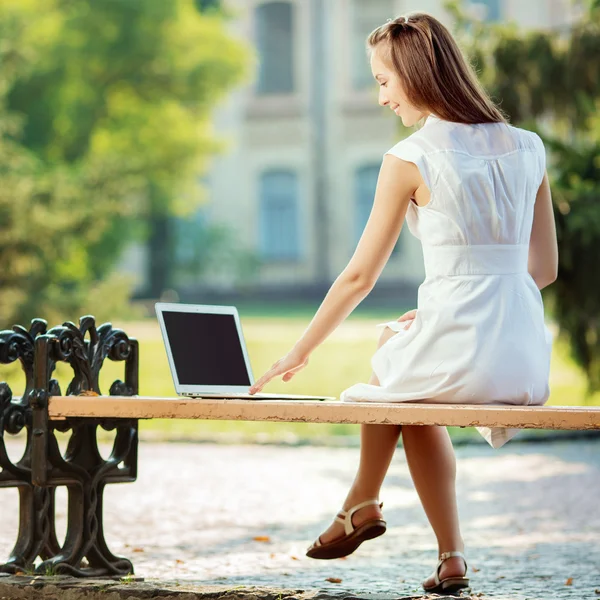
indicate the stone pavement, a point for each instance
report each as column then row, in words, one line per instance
column 215, row 519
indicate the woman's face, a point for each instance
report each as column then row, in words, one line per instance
column 391, row 92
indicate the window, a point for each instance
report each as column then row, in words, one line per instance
column 187, row 232
column 275, row 44
column 279, row 223
column 488, row 10
column 365, row 185
column 365, row 16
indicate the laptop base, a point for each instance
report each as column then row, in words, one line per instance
column 235, row 396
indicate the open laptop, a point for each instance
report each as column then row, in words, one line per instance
column 207, row 352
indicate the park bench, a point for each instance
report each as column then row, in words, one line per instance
column 42, row 410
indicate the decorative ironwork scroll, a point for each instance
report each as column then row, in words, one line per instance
column 36, row 535
column 82, row 469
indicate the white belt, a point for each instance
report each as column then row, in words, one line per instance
column 504, row 259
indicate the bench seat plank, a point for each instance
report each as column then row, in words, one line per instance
column 141, row 407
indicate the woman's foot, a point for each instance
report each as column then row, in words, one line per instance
column 451, row 573
column 336, row 529
column 354, row 529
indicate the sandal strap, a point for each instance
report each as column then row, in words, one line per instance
column 450, row 554
column 346, row 516
column 444, row 556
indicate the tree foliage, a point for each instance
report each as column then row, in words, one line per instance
column 549, row 81
column 104, row 128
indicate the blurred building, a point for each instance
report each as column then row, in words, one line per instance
column 306, row 138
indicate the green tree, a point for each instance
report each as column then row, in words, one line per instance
column 109, row 114
column 549, row 81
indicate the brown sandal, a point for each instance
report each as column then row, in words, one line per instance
column 448, row 585
column 354, row 536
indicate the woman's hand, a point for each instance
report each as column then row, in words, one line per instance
column 287, row 366
column 408, row 318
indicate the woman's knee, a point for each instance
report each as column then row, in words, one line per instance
column 425, row 431
column 385, row 336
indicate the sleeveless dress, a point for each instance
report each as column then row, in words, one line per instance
column 479, row 335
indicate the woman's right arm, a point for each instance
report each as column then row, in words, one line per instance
column 543, row 248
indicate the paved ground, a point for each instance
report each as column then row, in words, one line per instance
column 530, row 514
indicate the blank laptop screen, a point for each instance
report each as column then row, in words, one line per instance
column 206, row 349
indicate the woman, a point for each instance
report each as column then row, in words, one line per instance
column 475, row 191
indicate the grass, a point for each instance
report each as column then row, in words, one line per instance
column 342, row 360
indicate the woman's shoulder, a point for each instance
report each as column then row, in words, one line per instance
column 417, row 143
column 525, row 137
column 530, row 138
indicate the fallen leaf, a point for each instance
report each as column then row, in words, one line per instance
column 272, row 555
column 475, row 569
column 569, row 581
column 334, row 580
column 295, row 558
column 597, row 591
column 178, row 561
column 262, row 538
column 20, row 573
column 138, row 550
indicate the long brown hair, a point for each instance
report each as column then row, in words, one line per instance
column 434, row 73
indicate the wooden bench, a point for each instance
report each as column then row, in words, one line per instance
column 43, row 409
column 142, row 407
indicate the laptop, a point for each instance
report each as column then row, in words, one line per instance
column 207, row 352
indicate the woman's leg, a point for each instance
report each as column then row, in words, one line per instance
column 377, row 446
column 432, row 466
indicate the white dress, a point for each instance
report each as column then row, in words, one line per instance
column 479, row 335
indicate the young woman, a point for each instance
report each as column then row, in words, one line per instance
column 474, row 190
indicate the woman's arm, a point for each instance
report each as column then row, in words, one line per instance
column 543, row 248
column 396, row 183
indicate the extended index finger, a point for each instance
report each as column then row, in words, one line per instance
column 258, row 385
